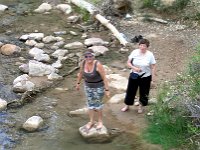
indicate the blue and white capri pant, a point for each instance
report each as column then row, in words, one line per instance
column 94, row 97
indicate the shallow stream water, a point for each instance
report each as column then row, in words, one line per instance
column 60, row 131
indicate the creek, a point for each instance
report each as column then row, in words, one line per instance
column 60, row 131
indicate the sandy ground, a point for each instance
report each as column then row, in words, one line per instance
column 172, row 48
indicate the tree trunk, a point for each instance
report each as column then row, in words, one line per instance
column 94, row 11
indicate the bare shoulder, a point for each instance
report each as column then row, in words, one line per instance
column 98, row 63
column 99, row 66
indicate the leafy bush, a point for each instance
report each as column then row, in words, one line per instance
column 176, row 119
column 84, row 13
column 159, row 6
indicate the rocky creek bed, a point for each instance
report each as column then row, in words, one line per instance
column 172, row 44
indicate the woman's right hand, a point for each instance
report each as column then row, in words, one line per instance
column 77, row 86
column 136, row 69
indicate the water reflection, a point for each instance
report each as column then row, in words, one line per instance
column 6, row 139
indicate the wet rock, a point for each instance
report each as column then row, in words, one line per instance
column 73, row 19
column 24, row 68
column 54, row 76
column 74, row 45
column 59, row 44
column 61, row 58
column 40, row 69
column 35, row 51
column 59, row 53
column 22, row 84
column 36, row 36
column 33, row 123
column 3, row 7
column 58, row 39
column 117, row 98
column 9, row 49
column 43, row 8
column 62, row 89
column 95, row 41
column 39, row 45
column 32, row 36
column 77, row 112
column 57, row 64
column 67, row 9
column 71, row 55
column 73, row 33
column 31, row 42
column 84, row 36
column 42, row 57
column 49, row 39
column 99, row 50
column 95, row 135
column 60, row 32
column 54, row 47
column 3, row 104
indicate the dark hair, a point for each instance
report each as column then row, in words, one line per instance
column 89, row 51
column 144, row 41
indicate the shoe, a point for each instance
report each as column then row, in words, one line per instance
column 125, row 108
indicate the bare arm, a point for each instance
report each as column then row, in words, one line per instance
column 129, row 64
column 101, row 70
column 79, row 77
column 153, row 68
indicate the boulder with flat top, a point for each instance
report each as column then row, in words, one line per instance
column 94, row 135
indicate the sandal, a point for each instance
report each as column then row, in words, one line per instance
column 99, row 126
column 136, row 103
column 89, row 125
column 125, row 108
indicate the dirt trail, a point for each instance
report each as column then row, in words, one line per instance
column 172, row 48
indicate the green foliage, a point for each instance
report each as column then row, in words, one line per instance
column 167, row 126
column 194, row 70
column 95, row 1
column 148, row 4
column 159, row 6
column 175, row 122
column 84, row 13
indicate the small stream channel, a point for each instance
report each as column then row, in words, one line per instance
column 60, row 131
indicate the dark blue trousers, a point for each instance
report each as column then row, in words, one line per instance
column 144, row 87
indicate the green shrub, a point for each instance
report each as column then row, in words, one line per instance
column 84, row 13
column 159, row 6
column 167, row 126
column 176, row 118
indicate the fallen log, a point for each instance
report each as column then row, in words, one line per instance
column 85, row 5
column 95, row 12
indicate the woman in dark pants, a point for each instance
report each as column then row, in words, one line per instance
column 142, row 64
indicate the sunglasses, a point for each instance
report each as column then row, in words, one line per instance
column 89, row 56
